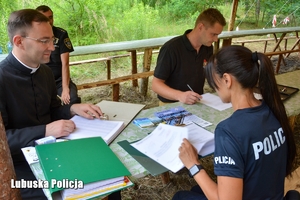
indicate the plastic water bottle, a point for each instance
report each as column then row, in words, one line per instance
column 9, row 47
column 1, row 50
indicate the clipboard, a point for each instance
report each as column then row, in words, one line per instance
column 120, row 111
column 285, row 91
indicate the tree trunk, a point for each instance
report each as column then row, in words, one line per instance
column 257, row 12
column 7, row 172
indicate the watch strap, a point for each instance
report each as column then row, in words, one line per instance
column 195, row 169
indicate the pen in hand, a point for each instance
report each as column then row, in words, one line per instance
column 192, row 90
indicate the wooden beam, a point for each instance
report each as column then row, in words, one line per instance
column 133, row 66
column 116, row 92
column 146, row 68
column 233, row 15
column 227, row 42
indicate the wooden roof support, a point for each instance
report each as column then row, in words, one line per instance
column 227, row 42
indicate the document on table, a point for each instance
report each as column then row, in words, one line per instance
column 197, row 120
column 163, row 143
column 106, row 129
column 214, row 101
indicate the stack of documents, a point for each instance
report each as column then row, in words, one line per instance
column 89, row 161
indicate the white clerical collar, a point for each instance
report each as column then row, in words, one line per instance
column 33, row 70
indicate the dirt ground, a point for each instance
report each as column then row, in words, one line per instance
column 149, row 187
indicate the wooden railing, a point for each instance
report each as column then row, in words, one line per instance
column 148, row 47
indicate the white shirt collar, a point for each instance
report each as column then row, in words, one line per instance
column 33, row 70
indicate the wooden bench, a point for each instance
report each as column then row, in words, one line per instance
column 116, row 83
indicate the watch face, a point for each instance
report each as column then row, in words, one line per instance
column 194, row 170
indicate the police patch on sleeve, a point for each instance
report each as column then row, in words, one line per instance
column 68, row 43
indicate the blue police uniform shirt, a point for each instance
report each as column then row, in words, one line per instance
column 64, row 45
column 251, row 145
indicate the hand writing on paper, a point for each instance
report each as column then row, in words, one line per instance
column 189, row 97
column 60, row 128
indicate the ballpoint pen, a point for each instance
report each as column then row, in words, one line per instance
column 192, row 90
column 62, row 103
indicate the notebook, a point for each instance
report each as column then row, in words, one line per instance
column 106, row 129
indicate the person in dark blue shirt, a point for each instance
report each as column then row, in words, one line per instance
column 254, row 148
column 59, row 61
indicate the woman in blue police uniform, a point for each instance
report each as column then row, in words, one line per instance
column 254, row 147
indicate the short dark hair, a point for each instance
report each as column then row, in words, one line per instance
column 43, row 8
column 21, row 20
column 211, row 16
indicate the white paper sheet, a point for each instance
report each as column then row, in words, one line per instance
column 163, row 143
column 214, row 101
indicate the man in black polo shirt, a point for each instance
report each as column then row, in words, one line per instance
column 179, row 74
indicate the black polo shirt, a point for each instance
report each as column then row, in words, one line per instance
column 179, row 64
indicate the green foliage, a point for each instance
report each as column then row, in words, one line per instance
column 94, row 21
column 138, row 22
column 5, row 10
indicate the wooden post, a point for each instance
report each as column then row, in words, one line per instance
column 227, row 42
column 146, row 68
column 233, row 15
column 216, row 46
column 280, row 57
column 165, row 177
column 116, row 90
column 134, row 67
column 108, row 67
column 292, row 120
column 7, row 172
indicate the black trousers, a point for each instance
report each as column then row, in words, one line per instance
column 74, row 98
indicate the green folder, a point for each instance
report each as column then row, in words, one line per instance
column 88, row 160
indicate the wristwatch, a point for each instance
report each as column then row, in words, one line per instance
column 194, row 170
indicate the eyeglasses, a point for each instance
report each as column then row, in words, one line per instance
column 44, row 41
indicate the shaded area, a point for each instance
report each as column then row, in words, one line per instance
column 150, row 187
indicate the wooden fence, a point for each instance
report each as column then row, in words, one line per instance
column 147, row 47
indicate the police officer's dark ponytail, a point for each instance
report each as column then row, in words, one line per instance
column 270, row 93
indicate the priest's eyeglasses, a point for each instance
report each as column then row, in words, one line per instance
column 44, row 41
